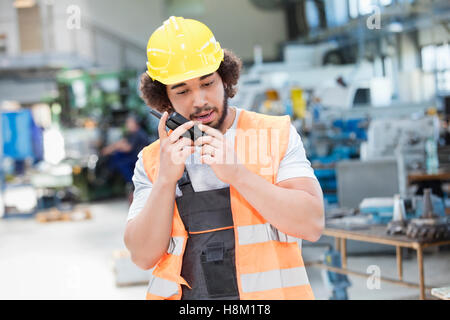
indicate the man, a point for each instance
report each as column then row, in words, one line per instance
column 121, row 156
column 221, row 217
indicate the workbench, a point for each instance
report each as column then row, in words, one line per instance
column 422, row 176
column 435, row 181
column 377, row 234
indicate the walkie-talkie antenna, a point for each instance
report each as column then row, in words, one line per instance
column 156, row 113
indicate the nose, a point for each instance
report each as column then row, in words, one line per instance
column 199, row 97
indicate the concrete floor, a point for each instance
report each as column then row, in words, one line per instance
column 74, row 260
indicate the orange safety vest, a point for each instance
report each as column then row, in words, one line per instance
column 269, row 264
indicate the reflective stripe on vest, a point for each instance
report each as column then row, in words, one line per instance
column 274, row 279
column 262, row 233
column 269, row 264
column 176, row 246
column 160, row 288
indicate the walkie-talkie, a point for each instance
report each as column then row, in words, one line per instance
column 175, row 120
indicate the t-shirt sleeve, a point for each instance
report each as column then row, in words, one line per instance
column 142, row 188
column 294, row 163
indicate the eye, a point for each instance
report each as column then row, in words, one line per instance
column 208, row 83
column 182, row 92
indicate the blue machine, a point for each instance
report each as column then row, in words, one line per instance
column 382, row 214
column 21, row 137
column 342, row 140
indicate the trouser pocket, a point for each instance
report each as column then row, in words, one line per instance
column 218, row 270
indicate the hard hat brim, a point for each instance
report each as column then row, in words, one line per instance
column 188, row 75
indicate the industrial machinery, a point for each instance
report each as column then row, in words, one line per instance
column 383, row 210
column 398, row 223
column 406, row 139
column 330, row 142
column 385, row 136
column 93, row 107
column 429, row 226
column 103, row 96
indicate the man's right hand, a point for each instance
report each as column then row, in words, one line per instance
column 174, row 150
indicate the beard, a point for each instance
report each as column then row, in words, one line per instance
column 222, row 117
column 218, row 124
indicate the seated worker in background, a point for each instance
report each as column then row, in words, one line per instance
column 122, row 155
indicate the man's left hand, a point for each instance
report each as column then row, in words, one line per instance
column 219, row 154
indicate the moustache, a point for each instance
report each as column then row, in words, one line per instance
column 208, row 109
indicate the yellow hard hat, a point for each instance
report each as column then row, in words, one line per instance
column 182, row 49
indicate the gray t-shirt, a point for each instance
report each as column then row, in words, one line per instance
column 293, row 165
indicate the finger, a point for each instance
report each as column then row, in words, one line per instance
column 180, row 156
column 183, row 142
column 187, row 151
column 162, row 126
column 208, row 140
column 211, row 131
column 208, row 150
column 207, row 159
column 178, row 132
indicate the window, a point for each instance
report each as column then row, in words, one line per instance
column 336, row 12
column 312, row 15
column 436, row 58
column 353, row 8
column 385, row 2
column 364, row 7
column 428, row 58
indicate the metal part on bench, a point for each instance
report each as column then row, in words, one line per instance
column 429, row 227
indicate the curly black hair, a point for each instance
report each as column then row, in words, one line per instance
column 154, row 92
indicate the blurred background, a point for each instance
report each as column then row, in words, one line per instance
column 367, row 86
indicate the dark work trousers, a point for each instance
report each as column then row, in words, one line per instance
column 209, row 260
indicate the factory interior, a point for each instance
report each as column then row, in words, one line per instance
column 366, row 83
